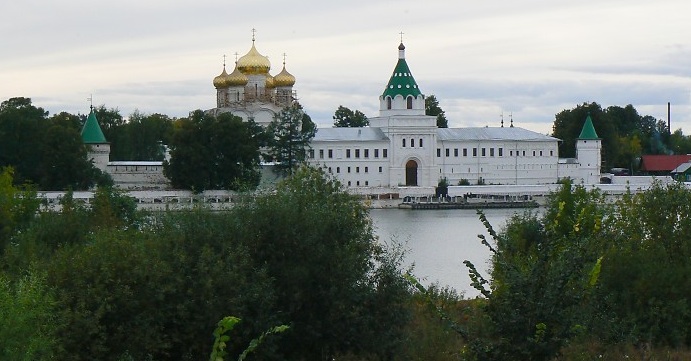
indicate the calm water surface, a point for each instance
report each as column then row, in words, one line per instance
column 438, row 241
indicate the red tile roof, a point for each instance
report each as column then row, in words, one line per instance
column 663, row 163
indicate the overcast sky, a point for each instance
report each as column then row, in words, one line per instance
column 529, row 58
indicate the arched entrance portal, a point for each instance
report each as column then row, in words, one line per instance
column 411, row 173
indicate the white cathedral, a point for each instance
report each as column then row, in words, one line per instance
column 402, row 147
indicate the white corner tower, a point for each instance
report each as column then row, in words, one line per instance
column 589, row 153
column 99, row 148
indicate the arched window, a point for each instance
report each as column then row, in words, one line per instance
column 388, row 102
column 420, row 142
column 409, row 102
column 403, row 142
column 412, row 142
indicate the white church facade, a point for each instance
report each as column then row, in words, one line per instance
column 402, row 147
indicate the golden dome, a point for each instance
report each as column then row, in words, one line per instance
column 221, row 80
column 284, row 78
column 236, row 78
column 254, row 63
column 270, row 83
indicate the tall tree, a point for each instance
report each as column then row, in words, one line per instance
column 210, row 152
column 290, row 134
column 142, row 137
column 48, row 152
column 432, row 108
column 340, row 291
column 344, row 117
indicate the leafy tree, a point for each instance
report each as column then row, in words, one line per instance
column 142, row 137
column 432, row 108
column 344, row 117
column 335, row 285
column 45, row 151
column 18, row 207
column 645, row 286
column 20, row 133
column 290, row 134
column 543, row 275
column 27, row 318
column 214, row 153
column 680, row 143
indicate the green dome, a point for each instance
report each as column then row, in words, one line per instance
column 588, row 131
column 402, row 81
column 91, row 132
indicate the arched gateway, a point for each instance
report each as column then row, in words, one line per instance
column 411, row 173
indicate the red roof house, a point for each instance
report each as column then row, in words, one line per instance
column 662, row 164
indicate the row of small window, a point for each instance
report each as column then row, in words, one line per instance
column 357, row 170
column 412, row 142
column 483, row 152
column 349, row 153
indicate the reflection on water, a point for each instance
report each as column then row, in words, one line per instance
column 438, row 241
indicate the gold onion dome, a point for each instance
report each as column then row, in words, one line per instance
column 270, row 82
column 236, row 78
column 254, row 63
column 221, row 80
column 284, row 78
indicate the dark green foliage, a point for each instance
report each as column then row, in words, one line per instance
column 18, row 207
column 589, row 270
column 336, row 287
column 645, row 280
column 139, row 286
column 27, row 318
column 142, row 137
column 344, row 117
column 44, row 151
column 289, row 136
column 432, row 108
column 214, row 153
column 541, row 271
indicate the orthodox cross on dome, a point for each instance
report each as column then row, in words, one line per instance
column 511, row 117
column 224, row 60
column 236, row 57
column 502, row 119
column 284, row 59
column 401, row 36
column 253, row 32
column 90, row 99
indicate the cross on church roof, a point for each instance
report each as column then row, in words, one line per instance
column 401, row 36
column 253, row 32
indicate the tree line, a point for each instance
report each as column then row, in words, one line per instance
column 626, row 135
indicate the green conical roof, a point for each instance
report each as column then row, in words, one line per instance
column 91, row 132
column 588, row 131
column 402, row 81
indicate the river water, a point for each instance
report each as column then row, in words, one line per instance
column 438, row 241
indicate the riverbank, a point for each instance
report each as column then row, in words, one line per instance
column 375, row 198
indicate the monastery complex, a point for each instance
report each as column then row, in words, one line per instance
column 402, row 148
